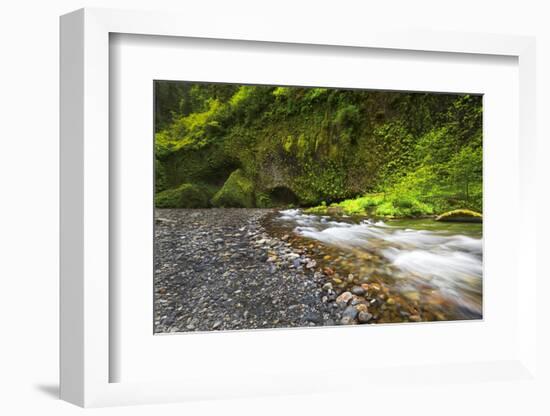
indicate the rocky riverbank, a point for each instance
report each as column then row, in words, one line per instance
column 218, row 269
column 228, row 269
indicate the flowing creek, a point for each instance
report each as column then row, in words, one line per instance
column 412, row 270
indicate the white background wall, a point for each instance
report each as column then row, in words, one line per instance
column 29, row 182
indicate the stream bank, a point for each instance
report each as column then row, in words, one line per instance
column 229, row 269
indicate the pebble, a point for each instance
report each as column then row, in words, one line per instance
column 314, row 316
column 273, row 282
column 311, row 264
column 346, row 320
column 362, row 307
column 351, row 312
column 364, row 317
column 414, row 296
column 358, row 290
column 344, row 298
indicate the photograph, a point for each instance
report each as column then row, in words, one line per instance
column 292, row 207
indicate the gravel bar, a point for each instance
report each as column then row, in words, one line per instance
column 218, row 269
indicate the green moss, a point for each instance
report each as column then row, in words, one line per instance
column 237, row 191
column 317, row 210
column 380, row 204
column 184, row 196
column 423, row 151
column 403, row 208
column 263, row 200
column 460, row 215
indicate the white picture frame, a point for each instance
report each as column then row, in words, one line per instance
column 86, row 356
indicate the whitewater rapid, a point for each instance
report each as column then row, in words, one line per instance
column 449, row 261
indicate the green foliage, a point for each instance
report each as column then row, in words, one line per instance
column 347, row 116
column 263, row 200
column 237, row 191
column 366, row 152
column 380, row 204
column 402, row 206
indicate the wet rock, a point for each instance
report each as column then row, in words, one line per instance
column 346, row 320
column 364, row 317
column 328, row 271
column 314, row 317
column 311, row 264
column 412, row 295
column 362, row 307
column 358, row 290
column 351, row 312
column 344, row 298
column 460, row 215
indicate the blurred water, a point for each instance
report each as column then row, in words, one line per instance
column 441, row 260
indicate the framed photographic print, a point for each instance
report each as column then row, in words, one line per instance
column 244, row 215
column 284, row 206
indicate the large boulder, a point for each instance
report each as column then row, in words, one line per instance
column 460, row 215
column 186, row 195
column 237, row 191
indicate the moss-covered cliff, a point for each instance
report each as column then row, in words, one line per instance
column 286, row 146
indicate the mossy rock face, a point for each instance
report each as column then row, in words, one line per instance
column 460, row 215
column 186, row 195
column 263, row 200
column 206, row 165
column 237, row 192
